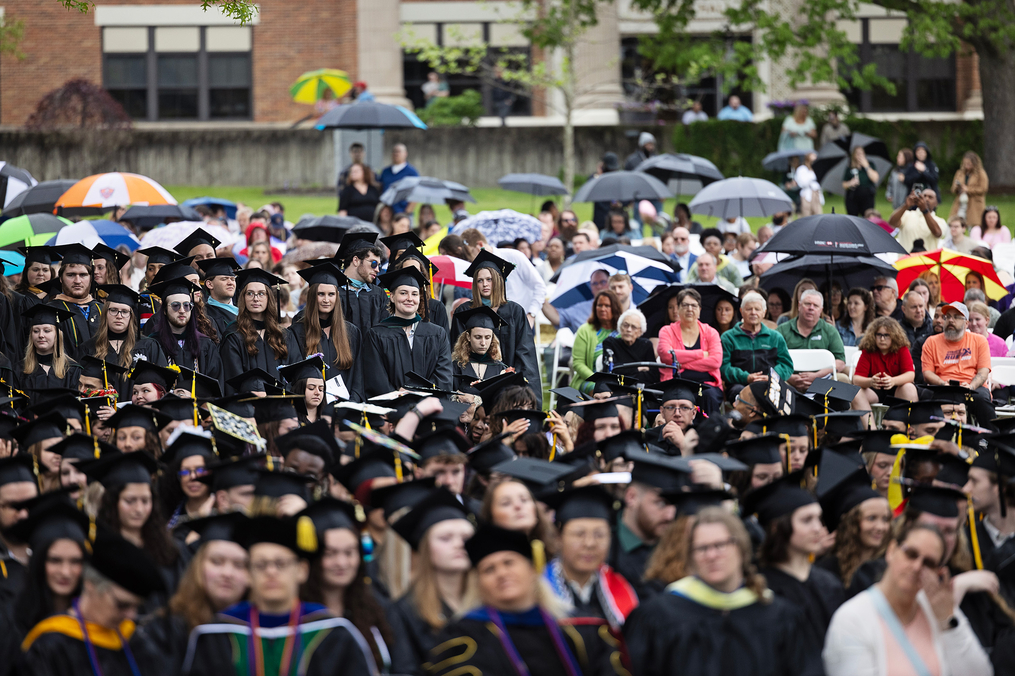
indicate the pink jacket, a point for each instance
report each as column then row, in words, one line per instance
column 670, row 339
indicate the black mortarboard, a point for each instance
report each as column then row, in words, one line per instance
column 74, row 254
column 219, row 267
column 196, row 238
column 127, row 565
column 439, row 505
column 600, row 408
column 276, row 483
column 954, row 470
column 279, row 531
column 832, row 394
column 795, row 425
column 17, row 469
column 721, row 461
column 402, row 241
column 950, row 394
column 315, row 438
column 49, row 426
column 117, row 469
column 585, row 502
column 841, row 423
column 680, row 389
column 353, row 242
column 8, row 421
column 620, row 445
column 491, row 388
column 842, row 485
column 782, row 496
column 226, row 527
column 187, row 445
column 329, row 514
column 490, row 539
column 1004, row 425
column 53, row 286
column 132, row 415
column 999, row 458
column 876, row 441
column 159, row 255
column 275, row 407
column 39, row 254
column 414, row 253
column 567, row 396
column 922, row 412
column 371, row 464
column 535, row 473
column 409, row 276
column 51, row 517
column 43, row 313
column 80, row 446
column 207, row 388
column 145, row 371
column 485, row 259
column 773, row 398
column 314, row 367
column 713, row 433
column 604, row 381
column 936, row 500
column 253, row 380
column 659, row 470
column 463, row 383
column 536, row 418
column 173, row 283
column 176, row 408
column 760, row 450
column 121, row 293
column 238, row 404
column 897, row 412
column 689, row 503
column 116, row 259
column 249, row 275
column 93, row 367
column 324, row 273
column 485, row 455
column 232, row 472
column 446, row 441
column 395, row 498
column 481, row 317
column 67, row 405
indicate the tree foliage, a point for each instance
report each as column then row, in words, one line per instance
column 453, row 111
column 243, row 11
column 79, row 104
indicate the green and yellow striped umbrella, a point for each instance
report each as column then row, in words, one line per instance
column 310, row 87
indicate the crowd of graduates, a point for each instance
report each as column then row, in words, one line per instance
column 191, row 485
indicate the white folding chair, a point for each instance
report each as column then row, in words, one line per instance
column 1003, row 374
column 853, row 361
column 564, row 338
column 812, row 360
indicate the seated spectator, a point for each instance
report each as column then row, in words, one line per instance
column 630, row 346
column 859, row 315
column 886, row 298
column 810, row 332
column 746, row 243
column 751, row 350
column 705, row 272
column 975, row 294
column 587, row 352
column 934, row 284
column 922, row 288
column 711, row 240
column 778, row 302
column 619, row 225
column 696, row 347
column 885, row 366
column 979, row 318
column 959, row 355
column 682, row 219
column 835, row 302
column 801, row 286
column 915, row 321
column 736, row 111
column 725, row 316
column 957, row 240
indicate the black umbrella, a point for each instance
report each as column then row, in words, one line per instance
column 40, row 198
column 539, row 185
column 369, row 115
column 779, row 160
column 849, row 272
column 13, row 182
column 834, row 152
column 330, row 228
column 148, row 216
column 623, row 186
column 831, row 234
column 680, row 166
column 425, row 190
column 655, row 307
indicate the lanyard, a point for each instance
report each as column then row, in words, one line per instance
column 563, row 652
column 93, row 657
column 257, row 667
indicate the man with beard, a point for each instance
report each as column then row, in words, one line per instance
column 363, row 302
column 17, row 484
column 682, row 251
column 175, row 329
column 76, row 297
column 961, row 356
column 220, row 285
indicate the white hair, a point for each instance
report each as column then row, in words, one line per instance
column 753, row 297
column 636, row 314
column 811, row 292
column 889, row 282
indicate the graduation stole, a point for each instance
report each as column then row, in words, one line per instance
column 694, row 589
column 535, row 617
column 289, row 656
column 616, row 596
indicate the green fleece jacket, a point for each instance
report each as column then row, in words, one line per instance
column 743, row 355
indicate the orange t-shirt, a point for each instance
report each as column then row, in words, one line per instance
column 956, row 361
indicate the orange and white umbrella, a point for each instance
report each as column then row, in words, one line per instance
column 115, row 189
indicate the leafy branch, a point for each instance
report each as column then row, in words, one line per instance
column 243, row 11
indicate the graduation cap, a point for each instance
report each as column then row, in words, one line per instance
column 187, row 445
column 324, row 273
column 272, row 483
column 773, row 397
column 679, row 389
column 329, row 514
column 52, row 517
column 67, row 405
column 1004, row 425
column 117, row 469
column 219, row 267
column 106, row 371
column 275, row 407
column 490, row 539
column 74, row 254
column 232, row 472
column 726, row 464
column 198, row 237
column 954, row 470
column 485, row 455
column 44, row 313
column 122, row 294
column 936, row 500
column 354, row 242
column 585, row 502
column 621, row 445
column 297, row 535
column 414, row 253
column 842, row 485
column 491, row 388
column 950, row 394
column 446, row 441
column 713, row 433
column 402, row 241
column 158, row 255
column 566, row 397
column 536, row 474
column 315, row 438
column 80, row 446
column 124, row 563
column 371, row 464
column 250, row 275
column 840, row 424
column 605, row 381
column 132, row 415
column 46, row 255
column 438, row 505
column 116, row 259
column 536, row 418
column 923, row 412
column 253, row 380
column 482, row 317
column 53, row 286
column 17, row 469
column 876, row 441
column 395, row 498
column 659, row 470
column 833, row 395
column 8, row 421
column 485, row 259
column 49, row 426
column 172, row 285
column 600, row 408
column 690, row 502
column 227, row 527
column 409, row 276
column 205, row 387
column 794, row 425
column 145, row 371
column 778, row 498
column 761, row 450
column 314, row 367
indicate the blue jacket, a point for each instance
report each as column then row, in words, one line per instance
column 388, row 177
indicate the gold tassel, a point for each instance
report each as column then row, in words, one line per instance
column 539, row 555
column 430, row 268
column 398, row 467
column 974, row 540
column 88, row 421
column 268, row 463
column 785, row 438
column 306, row 534
column 361, row 514
column 637, row 419
column 105, row 377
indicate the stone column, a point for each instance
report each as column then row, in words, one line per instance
column 597, row 63
column 380, row 54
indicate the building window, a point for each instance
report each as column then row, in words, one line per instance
column 179, row 73
column 921, row 83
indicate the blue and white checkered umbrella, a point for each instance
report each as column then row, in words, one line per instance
column 505, row 225
column 647, row 267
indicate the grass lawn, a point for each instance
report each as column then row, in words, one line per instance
column 488, row 199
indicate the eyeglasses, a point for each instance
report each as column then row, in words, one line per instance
column 186, row 307
column 281, row 565
column 118, row 313
column 569, row 220
column 882, row 335
column 256, row 294
column 878, row 287
column 197, row 471
column 912, row 554
column 717, row 547
column 689, row 306
column 673, row 407
column 750, row 406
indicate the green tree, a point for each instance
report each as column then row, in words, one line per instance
column 553, row 27
column 817, row 49
column 241, row 10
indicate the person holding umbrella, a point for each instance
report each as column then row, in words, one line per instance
column 860, row 183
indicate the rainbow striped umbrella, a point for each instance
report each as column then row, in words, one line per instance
column 310, row 87
column 952, row 268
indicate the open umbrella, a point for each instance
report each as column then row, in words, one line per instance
column 329, row 228
column 952, row 268
column 170, row 235
column 111, row 190
column 741, row 197
column 40, row 198
column 623, row 186
column 369, row 115
column 849, row 272
column 310, row 87
column 681, row 166
column 91, row 233
column 833, row 157
column 504, row 225
column 656, row 307
column 451, row 271
column 13, row 263
column 779, row 160
column 647, row 267
column 310, row 251
column 30, row 230
column 538, row 185
column 425, row 190
column 149, row 216
column 13, row 182
column 836, row 234
column 213, row 202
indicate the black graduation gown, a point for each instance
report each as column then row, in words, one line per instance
column 671, row 635
column 654, row 435
column 1000, row 560
column 437, row 314
column 865, row 576
column 78, row 328
column 57, row 652
column 236, row 360
column 364, row 309
column 296, row 339
column 415, row 633
column 144, row 348
column 12, row 580
column 220, row 319
column 817, row 598
column 493, row 368
column 517, row 344
column 207, row 360
column 39, row 379
column 470, row 646
column 11, row 338
column 387, row 357
column 164, row 637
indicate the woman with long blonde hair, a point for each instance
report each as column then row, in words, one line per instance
column 46, row 363
column 257, row 339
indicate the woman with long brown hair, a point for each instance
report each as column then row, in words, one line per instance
column 433, row 309
column 35, row 438
column 324, row 329
column 509, row 504
column 257, row 339
column 970, row 189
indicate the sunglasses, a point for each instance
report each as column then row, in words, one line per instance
column 176, row 307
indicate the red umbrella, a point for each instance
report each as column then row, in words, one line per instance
column 952, row 269
column 451, row 270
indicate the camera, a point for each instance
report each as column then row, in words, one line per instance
column 918, row 189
